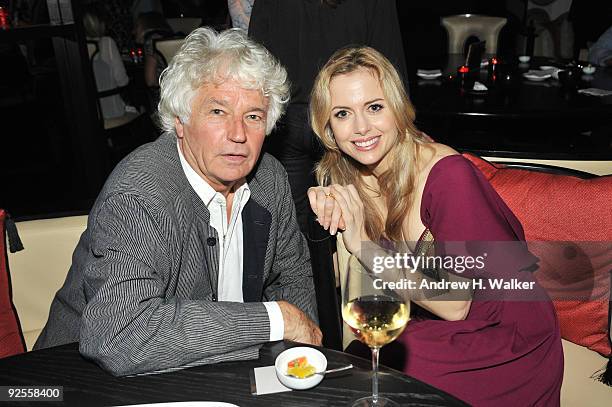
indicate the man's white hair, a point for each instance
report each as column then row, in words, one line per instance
column 210, row 57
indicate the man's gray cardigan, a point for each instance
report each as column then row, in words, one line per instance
column 141, row 293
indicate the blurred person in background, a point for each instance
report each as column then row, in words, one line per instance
column 119, row 21
column 240, row 13
column 590, row 19
column 600, row 53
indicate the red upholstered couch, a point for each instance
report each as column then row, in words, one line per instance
column 11, row 340
column 568, row 224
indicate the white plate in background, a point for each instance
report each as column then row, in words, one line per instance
column 537, row 76
column 429, row 73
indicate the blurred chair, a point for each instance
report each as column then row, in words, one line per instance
column 126, row 132
column 110, row 123
column 461, row 27
column 539, row 20
column 562, row 35
column 168, row 47
column 553, row 38
column 184, row 25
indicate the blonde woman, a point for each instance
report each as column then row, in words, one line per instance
column 387, row 186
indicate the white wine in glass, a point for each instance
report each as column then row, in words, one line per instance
column 375, row 316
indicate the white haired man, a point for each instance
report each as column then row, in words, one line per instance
column 192, row 253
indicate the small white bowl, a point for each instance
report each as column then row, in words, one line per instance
column 315, row 358
column 524, row 58
column 589, row 69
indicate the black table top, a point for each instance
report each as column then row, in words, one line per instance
column 515, row 116
column 510, row 95
column 85, row 384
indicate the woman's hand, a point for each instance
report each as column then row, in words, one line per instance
column 351, row 208
column 340, row 207
column 326, row 209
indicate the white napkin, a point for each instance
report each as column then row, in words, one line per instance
column 266, row 381
column 595, row 92
column 479, row 87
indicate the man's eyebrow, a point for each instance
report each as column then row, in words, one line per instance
column 365, row 103
column 258, row 109
column 214, row 101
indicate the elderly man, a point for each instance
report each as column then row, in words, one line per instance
column 192, row 253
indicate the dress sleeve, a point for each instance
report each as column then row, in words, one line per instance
column 458, row 203
column 467, row 217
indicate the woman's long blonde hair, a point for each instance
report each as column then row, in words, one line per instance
column 398, row 182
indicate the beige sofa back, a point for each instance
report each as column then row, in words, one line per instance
column 579, row 389
column 38, row 271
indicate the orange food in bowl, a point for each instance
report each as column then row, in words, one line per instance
column 300, row 368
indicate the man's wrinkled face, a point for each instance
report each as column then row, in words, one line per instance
column 223, row 138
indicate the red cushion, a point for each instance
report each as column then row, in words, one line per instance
column 576, row 214
column 11, row 339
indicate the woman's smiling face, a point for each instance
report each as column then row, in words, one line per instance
column 363, row 124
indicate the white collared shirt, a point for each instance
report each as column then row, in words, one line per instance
column 230, row 234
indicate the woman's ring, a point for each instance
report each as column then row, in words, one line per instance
column 330, row 195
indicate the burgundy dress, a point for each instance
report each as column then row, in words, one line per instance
column 505, row 353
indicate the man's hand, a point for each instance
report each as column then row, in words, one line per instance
column 298, row 327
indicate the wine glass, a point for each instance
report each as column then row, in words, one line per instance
column 375, row 315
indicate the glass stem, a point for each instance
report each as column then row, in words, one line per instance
column 375, row 374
